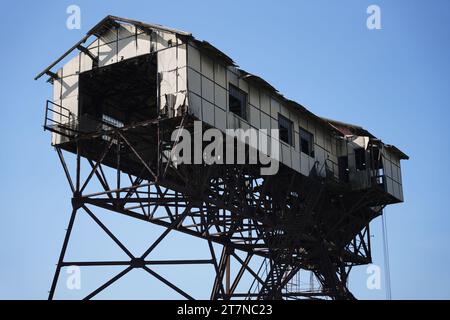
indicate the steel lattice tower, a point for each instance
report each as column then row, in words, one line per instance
column 115, row 107
column 285, row 219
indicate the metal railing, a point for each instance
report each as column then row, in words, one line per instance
column 59, row 119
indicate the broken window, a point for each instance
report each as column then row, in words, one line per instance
column 237, row 101
column 285, row 129
column 111, row 121
column 360, row 159
column 120, row 93
column 107, row 123
column 343, row 169
column 306, row 142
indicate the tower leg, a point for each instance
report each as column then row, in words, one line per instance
column 62, row 254
column 334, row 279
column 227, row 206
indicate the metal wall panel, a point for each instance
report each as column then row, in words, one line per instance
column 71, row 103
column 194, row 58
column 182, row 79
column 169, row 75
column 243, row 124
column 72, row 67
column 168, row 86
column 296, row 140
column 286, row 154
column 167, row 59
column 220, row 97
column 274, row 123
column 108, row 37
column 254, row 96
column 320, row 157
column 166, row 40
column 265, row 121
column 255, row 117
column 264, row 137
column 126, row 48
column 302, row 122
column 143, row 44
column 207, row 67
column 57, row 90
column 126, row 31
column 319, row 139
column 181, row 56
column 261, row 101
column 397, row 191
column 69, row 86
column 195, row 105
column 195, row 82
column 243, row 85
column 304, row 164
column 233, row 121
column 220, row 119
column 208, row 112
column 400, row 180
column 274, row 108
column 107, row 54
column 220, row 75
column 387, row 167
column 207, row 89
column 312, row 161
column 395, row 172
column 295, row 156
column 392, row 173
column 390, row 185
column 294, row 118
column 311, row 128
column 85, row 61
column 284, row 110
column 232, row 78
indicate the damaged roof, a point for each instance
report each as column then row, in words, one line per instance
column 347, row 129
column 109, row 21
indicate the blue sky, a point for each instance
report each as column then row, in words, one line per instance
column 394, row 81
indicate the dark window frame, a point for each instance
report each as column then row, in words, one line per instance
column 360, row 159
column 285, row 122
column 239, row 96
column 306, row 142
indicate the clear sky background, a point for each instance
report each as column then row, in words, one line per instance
column 394, row 81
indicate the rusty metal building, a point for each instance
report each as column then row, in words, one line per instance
column 128, row 85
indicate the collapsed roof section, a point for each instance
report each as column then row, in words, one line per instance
column 347, row 129
column 113, row 21
column 339, row 128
